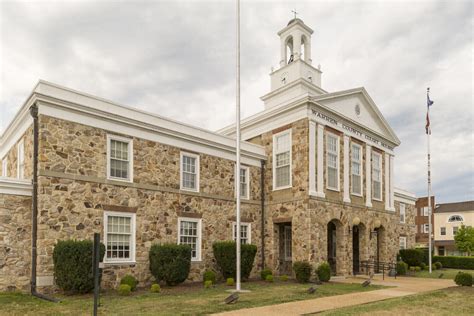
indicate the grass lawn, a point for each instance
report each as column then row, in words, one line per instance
column 450, row 301
column 447, row 273
column 190, row 299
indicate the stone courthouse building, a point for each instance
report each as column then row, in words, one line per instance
column 317, row 179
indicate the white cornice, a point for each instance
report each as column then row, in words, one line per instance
column 404, row 196
column 290, row 85
column 13, row 186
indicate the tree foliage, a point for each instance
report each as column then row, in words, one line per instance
column 464, row 239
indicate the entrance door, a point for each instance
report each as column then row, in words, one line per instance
column 332, row 246
column 377, row 255
column 355, row 250
column 285, row 246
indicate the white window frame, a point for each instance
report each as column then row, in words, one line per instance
column 338, row 163
column 197, row 168
column 199, row 235
column 441, row 231
column 426, row 228
column 5, row 166
column 426, row 211
column 402, row 240
column 129, row 141
column 374, row 153
column 275, row 153
column 20, row 159
column 360, row 169
column 246, row 195
column 249, row 231
column 285, row 248
column 133, row 229
column 402, row 213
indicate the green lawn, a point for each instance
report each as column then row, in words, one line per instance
column 180, row 300
column 451, row 301
column 446, row 273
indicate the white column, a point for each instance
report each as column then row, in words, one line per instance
column 368, row 175
column 387, row 181
column 312, row 158
column 346, row 194
column 392, row 194
column 320, row 157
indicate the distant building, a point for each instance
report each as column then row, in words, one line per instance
column 448, row 218
column 421, row 221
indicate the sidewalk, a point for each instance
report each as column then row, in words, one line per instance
column 403, row 286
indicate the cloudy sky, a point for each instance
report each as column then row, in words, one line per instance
column 176, row 59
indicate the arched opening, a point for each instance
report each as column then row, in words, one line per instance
column 359, row 244
column 304, row 47
column 335, row 245
column 379, row 255
column 289, row 57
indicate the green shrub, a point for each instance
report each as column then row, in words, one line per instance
column 412, row 269
column 438, row 265
column 269, row 278
column 455, row 262
column 402, row 268
column 463, row 279
column 417, row 269
column 230, row 281
column 413, row 257
column 130, row 280
column 170, row 263
column 324, row 272
column 284, row 278
column 302, row 271
column 155, row 288
column 209, row 275
column 423, row 266
column 124, row 290
column 208, row 284
column 225, row 253
column 265, row 272
column 73, row 265
column 433, row 267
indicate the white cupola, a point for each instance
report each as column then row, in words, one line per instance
column 296, row 76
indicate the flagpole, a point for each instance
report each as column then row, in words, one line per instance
column 430, row 215
column 237, row 137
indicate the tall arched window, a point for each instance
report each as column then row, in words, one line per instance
column 289, row 50
column 455, row 218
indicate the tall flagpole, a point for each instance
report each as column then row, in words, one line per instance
column 237, row 137
column 430, row 215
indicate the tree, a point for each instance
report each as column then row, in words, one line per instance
column 464, row 239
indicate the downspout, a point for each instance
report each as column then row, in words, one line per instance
column 262, row 205
column 34, row 208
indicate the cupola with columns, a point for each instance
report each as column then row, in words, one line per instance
column 296, row 76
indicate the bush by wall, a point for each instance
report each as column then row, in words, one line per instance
column 402, row 268
column 463, row 279
column 209, row 275
column 412, row 257
column 265, row 272
column 124, row 290
column 269, row 278
column 73, row 265
column 302, row 271
column 155, row 288
column 324, row 272
column 170, row 263
column 130, row 280
column 438, row 265
column 225, row 255
column 230, row 281
column 455, row 262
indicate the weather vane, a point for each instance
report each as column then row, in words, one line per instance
column 294, row 11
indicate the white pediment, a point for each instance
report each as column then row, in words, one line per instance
column 358, row 107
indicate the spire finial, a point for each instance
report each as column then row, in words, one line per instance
column 294, row 11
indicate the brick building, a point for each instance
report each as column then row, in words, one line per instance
column 422, row 221
column 317, row 179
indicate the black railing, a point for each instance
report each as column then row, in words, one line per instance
column 371, row 266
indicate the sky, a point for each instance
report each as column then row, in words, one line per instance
column 177, row 59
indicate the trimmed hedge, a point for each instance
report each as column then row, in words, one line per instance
column 463, row 279
column 302, row 271
column 209, row 275
column 324, row 272
column 130, row 280
column 402, row 268
column 225, row 255
column 73, row 265
column 455, row 262
column 265, row 272
column 412, row 257
column 170, row 263
column 124, row 290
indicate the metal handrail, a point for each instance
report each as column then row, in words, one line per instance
column 372, row 264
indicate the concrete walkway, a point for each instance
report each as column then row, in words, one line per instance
column 403, row 286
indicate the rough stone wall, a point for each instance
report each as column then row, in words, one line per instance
column 74, row 191
column 12, row 153
column 15, row 242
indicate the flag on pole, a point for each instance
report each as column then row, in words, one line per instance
column 428, row 101
column 428, row 104
column 427, row 127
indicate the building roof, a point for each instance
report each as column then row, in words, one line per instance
column 455, row 207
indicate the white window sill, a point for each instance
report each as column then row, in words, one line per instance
column 120, row 179
column 189, row 190
column 196, row 260
column 357, row 194
column 378, row 200
column 282, row 188
column 333, row 189
column 119, row 263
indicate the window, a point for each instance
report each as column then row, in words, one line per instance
column 119, row 236
column 426, row 211
column 21, row 160
column 426, row 228
column 189, row 172
column 442, row 231
column 282, row 159
column 403, row 242
column 287, row 243
column 356, row 170
column 455, row 218
column 377, row 175
column 4, row 167
column 244, row 232
column 332, row 144
column 455, row 230
column 441, row 251
column 402, row 213
column 244, row 182
column 119, row 158
column 190, row 234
